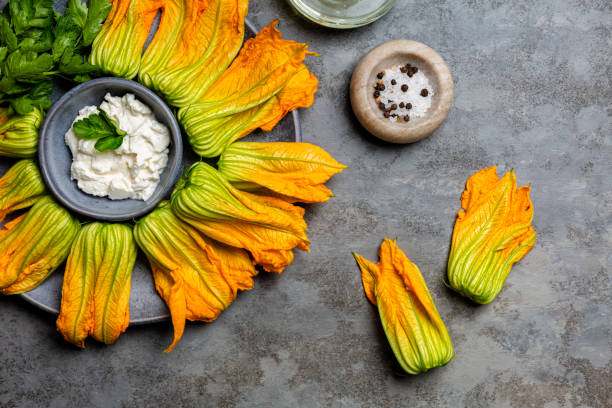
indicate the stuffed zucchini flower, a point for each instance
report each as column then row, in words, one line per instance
column 269, row 228
column 294, row 171
column 20, row 187
column 19, row 133
column 492, row 232
column 117, row 49
column 197, row 41
column 209, row 137
column 408, row 314
column 34, row 244
column 197, row 277
column 265, row 66
column 97, row 282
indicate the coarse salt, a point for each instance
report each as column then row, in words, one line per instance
column 393, row 94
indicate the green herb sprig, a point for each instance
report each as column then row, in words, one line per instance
column 38, row 44
column 102, row 127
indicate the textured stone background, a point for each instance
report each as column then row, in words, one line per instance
column 532, row 93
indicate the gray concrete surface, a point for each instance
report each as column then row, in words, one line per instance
column 532, row 93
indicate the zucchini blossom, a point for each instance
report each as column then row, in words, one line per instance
column 492, row 232
column 209, row 138
column 268, row 227
column 293, row 171
column 266, row 80
column 197, row 277
column 97, row 281
column 34, row 245
column 117, row 49
column 413, row 326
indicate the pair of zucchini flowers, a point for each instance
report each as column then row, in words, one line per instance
column 204, row 243
column 492, row 232
column 190, row 61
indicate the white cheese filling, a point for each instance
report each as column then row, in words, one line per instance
column 133, row 169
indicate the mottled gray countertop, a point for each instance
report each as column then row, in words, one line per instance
column 533, row 93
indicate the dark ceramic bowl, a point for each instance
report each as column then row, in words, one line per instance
column 55, row 156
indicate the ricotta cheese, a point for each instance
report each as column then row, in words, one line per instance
column 133, row 169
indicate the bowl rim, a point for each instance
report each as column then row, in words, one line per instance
column 173, row 166
column 371, row 119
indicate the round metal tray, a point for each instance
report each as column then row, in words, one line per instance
column 145, row 304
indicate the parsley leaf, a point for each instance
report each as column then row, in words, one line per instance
column 28, row 66
column 38, row 97
column 7, row 36
column 37, row 40
column 100, row 126
column 98, row 10
column 82, row 78
column 30, row 13
column 93, row 127
column 112, row 122
column 22, row 11
column 43, row 13
column 109, row 143
column 71, row 64
column 78, row 10
column 10, row 87
column 67, row 33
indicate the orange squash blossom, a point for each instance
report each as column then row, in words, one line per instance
column 492, row 232
column 197, row 277
column 295, row 172
column 408, row 314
